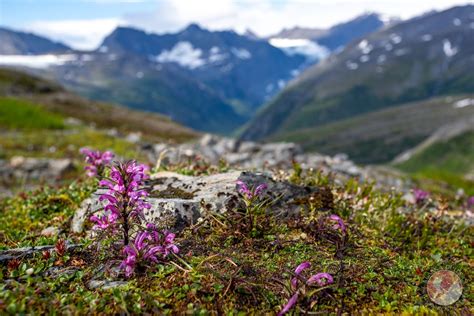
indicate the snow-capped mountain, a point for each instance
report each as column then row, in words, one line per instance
column 244, row 70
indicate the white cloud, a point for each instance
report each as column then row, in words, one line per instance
column 266, row 17
column 79, row 34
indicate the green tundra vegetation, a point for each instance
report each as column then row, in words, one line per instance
column 380, row 265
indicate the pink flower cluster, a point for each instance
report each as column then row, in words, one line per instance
column 420, row 195
column 147, row 246
column 339, row 223
column 248, row 193
column 321, row 279
column 470, row 202
column 96, row 161
column 125, row 197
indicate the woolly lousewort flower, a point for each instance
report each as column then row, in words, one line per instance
column 124, row 199
column 96, row 161
column 339, row 223
column 146, row 246
column 420, row 195
column 470, row 202
column 300, row 268
column 104, row 221
column 288, row 306
column 321, row 279
column 250, row 194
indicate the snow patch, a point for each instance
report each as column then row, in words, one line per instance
column 37, row 61
column 426, row 37
column 463, row 103
column 381, row 59
column 300, row 46
column 103, row 49
column 395, row 38
column 365, row 47
column 139, row 75
column 351, row 65
column 388, row 47
column 227, row 67
column 457, row 22
column 241, row 53
column 269, row 88
column 87, row 57
column 184, row 54
column 215, row 55
column 401, row 51
column 295, row 72
column 364, row 58
column 448, row 49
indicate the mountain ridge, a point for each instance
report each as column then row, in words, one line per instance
column 18, row 42
column 409, row 61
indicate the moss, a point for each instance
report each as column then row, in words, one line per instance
column 172, row 193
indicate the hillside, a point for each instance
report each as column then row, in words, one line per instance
column 136, row 82
column 53, row 98
column 379, row 136
column 427, row 56
column 448, row 155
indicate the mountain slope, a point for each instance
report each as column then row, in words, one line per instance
column 381, row 135
column 21, row 43
column 136, row 82
column 448, row 155
column 55, row 99
column 417, row 59
column 341, row 34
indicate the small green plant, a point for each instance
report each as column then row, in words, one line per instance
column 255, row 205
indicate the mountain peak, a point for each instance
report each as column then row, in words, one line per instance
column 193, row 27
column 126, row 30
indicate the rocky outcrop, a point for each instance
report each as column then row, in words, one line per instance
column 28, row 171
column 27, row 168
column 182, row 200
column 246, row 155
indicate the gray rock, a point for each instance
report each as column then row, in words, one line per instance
column 15, row 253
column 50, row 231
column 105, row 284
column 36, row 168
column 182, row 200
column 56, row 272
column 88, row 206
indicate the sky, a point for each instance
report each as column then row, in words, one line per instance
column 83, row 24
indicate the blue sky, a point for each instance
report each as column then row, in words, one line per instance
column 83, row 23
